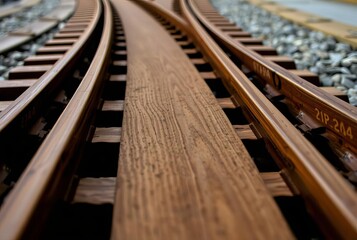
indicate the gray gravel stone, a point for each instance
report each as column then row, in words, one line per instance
column 353, row 69
column 311, row 50
column 327, row 80
column 21, row 19
column 18, row 20
column 336, row 78
column 17, row 56
column 347, row 82
column 3, row 69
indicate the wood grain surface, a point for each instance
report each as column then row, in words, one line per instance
column 183, row 172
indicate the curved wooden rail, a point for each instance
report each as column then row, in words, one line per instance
column 337, row 116
column 49, row 169
column 183, row 172
column 319, row 182
column 19, row 115
column 323, row 188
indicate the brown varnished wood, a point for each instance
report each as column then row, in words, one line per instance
column 276, row 184
column 26, row 72
column 226, row 103
column 53, row 50
column 307, row 75
column 41, row 184
column 335, row 92
column 248, row 40
column 333, row 200
column 208, row 75
column 183, row 172
column 4, row 105
column 10, row 90
column 118, row 78
column 283, row 61
column 115, row 105
column 42, row 59
column 60, row 35
column 239, row 34
column 308, row 99
column 95, row 191
column 245, row 132
column 57, row 42
column 108, row 135
column 28, row 104
column 263, row 50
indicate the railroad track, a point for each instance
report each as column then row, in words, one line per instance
column 71, row 129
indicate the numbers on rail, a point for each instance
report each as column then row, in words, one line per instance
column 336, row 125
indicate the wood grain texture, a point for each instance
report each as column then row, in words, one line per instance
column 95, row 191
column 4, row 105
column 245, row 132
column 276, row 184
column 226, row 103
column 326, row 191
column 183, row 172
column 108, row 135
column 114, row 105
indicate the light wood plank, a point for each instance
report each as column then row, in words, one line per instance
column 337, row 93
column 42, row 59
column 226, row 103
column 118, row 78
column 276, row 184
column 4, row 105
column 245, row 132
column 28, row 72
column 115, row 105
column 108, row 135
column 183, row 172
column 95, row 191
column 208, row 75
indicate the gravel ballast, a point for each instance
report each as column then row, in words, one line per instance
column 334, row 62
column 18, row 20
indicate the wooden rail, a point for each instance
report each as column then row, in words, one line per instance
column 326, row 110
column 322, row 186
column 183, row 171
column 49, row 169
column 20, row 114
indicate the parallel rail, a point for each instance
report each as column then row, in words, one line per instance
column 325, row 191
column 329, row 197
column 20, row 114
column 48, row 169
column 320, row 184
column 334, row 114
